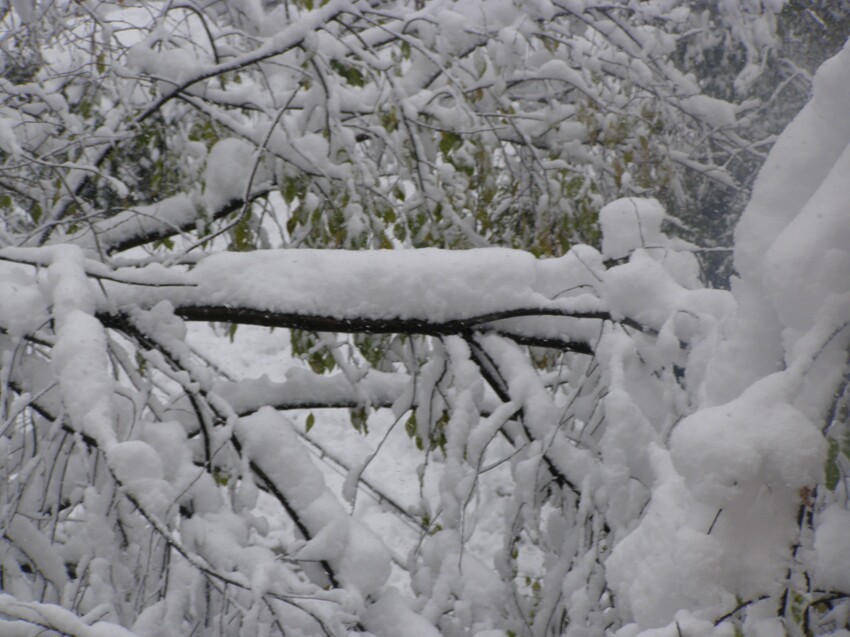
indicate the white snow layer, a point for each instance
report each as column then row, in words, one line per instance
column 435, row 286
column 80, row 361
column 379, row 284
column 628, row 224
column 723, row 515
column 832, row 545
column 359, row 559
column 792, row 244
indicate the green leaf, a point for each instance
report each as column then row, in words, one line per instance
column 318, row 363
column 831, row 472
column 290, row 190
column 221, row 477
column 573, row 187
column 165, row 242
column 311, row 420
column 410, row 425
column 243, row 235
column 141, row 363
column 351, row 73
column 389, row 119
column 204, row 132
column 291, row 225
column 360, row 419
column 449, row 140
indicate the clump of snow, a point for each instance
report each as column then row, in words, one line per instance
column 390, row 614
column 666, row 564
column 160, row 319
column 378, row 284
column 8, row 140
column 79, row 361
column 750, row 460
column 459, row 589
column 832, row 547
column 630, row 223
column 23, row 308
column 28, row 538
column 161, row 217
column 804, row 154
column 756, row 439
column 134, row 460
column 139, row 469
column 228, row 173
column 714, row 112
column 52, row 616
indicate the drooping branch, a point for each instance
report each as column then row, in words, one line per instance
column 222, row 413
column 490, row 372
column 281, row 43
column 147, row 224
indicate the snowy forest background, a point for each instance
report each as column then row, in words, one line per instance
column 489, row 318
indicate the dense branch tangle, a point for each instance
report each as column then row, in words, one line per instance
column 355, row 108
column 136, row 475
column 161, row 382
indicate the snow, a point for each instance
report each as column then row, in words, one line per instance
column 379, row 284
column 805, row 153
column 723, row 514
column 358, row 557
column 8, row 141
column 792, row 241
column 666, row 564
column 715, row 112
column 757, row 439
column 24, row 307
column 832, row 547
column 386, row 617
column 37, row 547
column 686, row 493
column 751, row 459
column 303, row 388
column 141, row 221
column 59, row 618
column 229, row 173
column 79, row 359
column 630, row 223
column 424, row 287
column 139, row 469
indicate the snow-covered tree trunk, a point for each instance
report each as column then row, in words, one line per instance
column 749, row 517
